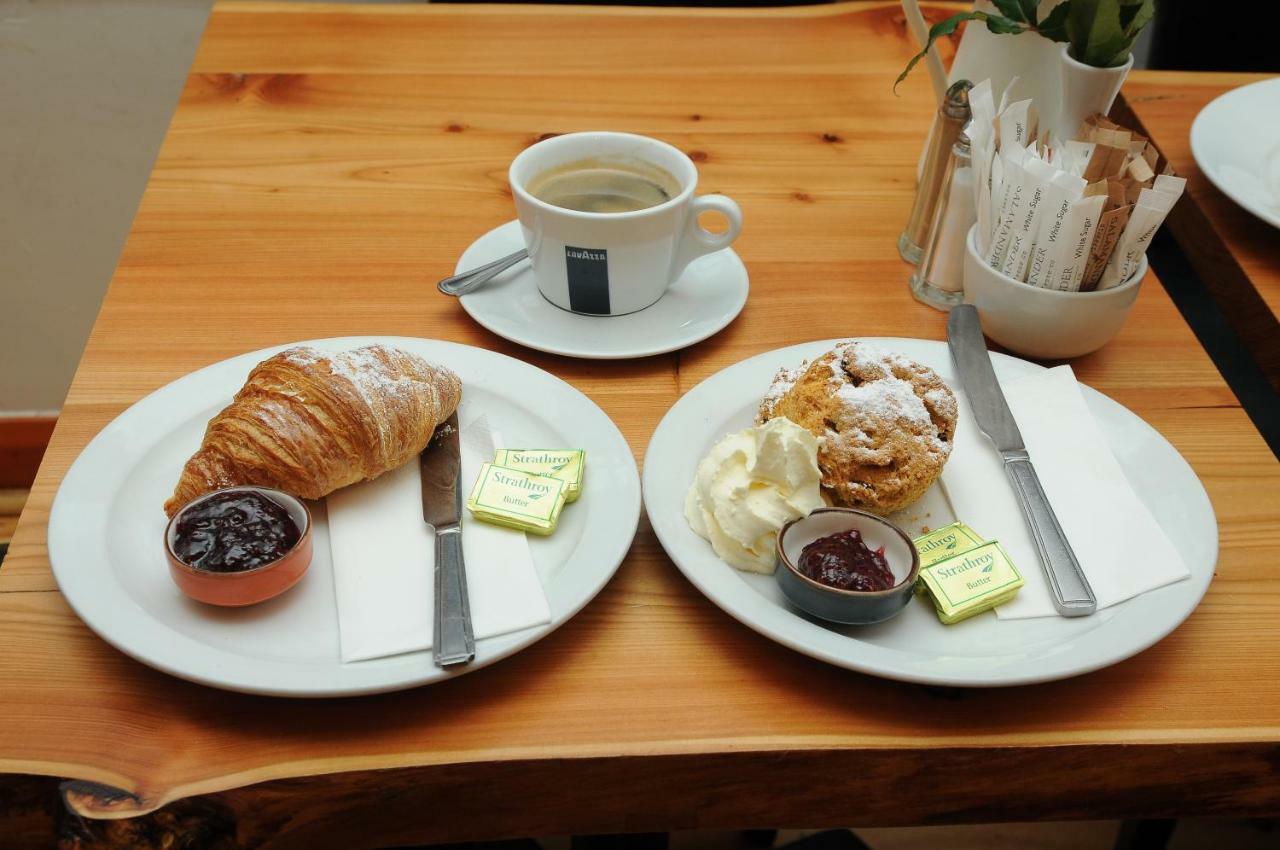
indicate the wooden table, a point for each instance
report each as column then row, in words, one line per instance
column 1235, row 253
column 324, row 166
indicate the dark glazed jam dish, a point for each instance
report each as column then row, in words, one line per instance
column 847, row 566
column 234, row 531
column 843, row 561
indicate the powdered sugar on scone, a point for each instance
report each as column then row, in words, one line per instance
column 887, row 399
column 886, row 423
column 782, row 384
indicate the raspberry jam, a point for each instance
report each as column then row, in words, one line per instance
column 233, row 532
column 843, row 561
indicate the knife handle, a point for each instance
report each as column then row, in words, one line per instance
column 454, row 641
column 1072, row 595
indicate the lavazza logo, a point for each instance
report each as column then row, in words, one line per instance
column 582, row 254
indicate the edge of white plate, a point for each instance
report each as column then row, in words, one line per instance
column 1185, row 471
column 504, row 645
column 1197, row 137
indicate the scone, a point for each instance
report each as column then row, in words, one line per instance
column 885, row 423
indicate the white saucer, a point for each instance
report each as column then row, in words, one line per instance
column 707, row 297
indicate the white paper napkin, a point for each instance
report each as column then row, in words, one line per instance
column 1118, row 542
column 384, row 560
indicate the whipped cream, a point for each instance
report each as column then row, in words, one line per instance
column 748, row 486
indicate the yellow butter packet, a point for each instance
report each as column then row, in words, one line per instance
column 971, row 582
column 565, row 464
column 943, row 543
column 517, row 499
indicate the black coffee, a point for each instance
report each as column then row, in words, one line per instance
column 599, row 185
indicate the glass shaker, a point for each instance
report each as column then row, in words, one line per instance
column 952, row 115
column 939, row 280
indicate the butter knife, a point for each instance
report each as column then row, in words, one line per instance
column 1072, row 595
column 440, row 465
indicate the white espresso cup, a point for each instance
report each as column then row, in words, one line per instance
column 611, row 264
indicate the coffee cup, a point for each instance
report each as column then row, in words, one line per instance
column 616, row 262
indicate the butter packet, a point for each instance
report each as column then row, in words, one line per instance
column 942, row 543
column 565, row 464
column 517, row 499
column 971, row 582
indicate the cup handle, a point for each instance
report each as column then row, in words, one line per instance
column 698, row 240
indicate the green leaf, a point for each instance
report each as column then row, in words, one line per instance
column 1135, row 15
column 1054, row 26
column 1128, row 8
column 995, row 23
column 1016, row 10
column 1112, row 52
column 1004, row 26
column 939, row 30
column 1093, row 28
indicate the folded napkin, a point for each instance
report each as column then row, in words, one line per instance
column 384, row 561
column 1119, row 544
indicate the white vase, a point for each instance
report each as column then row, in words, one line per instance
column 1086, row 90
column 983, row 55
column 1029, row 56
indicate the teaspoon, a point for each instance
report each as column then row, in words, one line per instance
column 461, row 284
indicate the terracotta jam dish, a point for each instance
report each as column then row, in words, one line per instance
column 239, row 545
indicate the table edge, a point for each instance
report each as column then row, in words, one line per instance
column 121, row 798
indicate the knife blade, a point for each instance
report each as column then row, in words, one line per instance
column 440, row 467
column 1072, row 595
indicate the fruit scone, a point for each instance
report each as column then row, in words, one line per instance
column 885, row 423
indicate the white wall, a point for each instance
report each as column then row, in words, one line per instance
column 86, row 91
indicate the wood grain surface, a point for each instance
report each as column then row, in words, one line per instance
column 325, row 166
column 1235, row 253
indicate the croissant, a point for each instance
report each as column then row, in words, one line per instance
column 307, row 422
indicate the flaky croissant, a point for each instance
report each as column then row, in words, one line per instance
column 307, row 422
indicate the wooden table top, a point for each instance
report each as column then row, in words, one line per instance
column 324, row 166
column 1235, row 253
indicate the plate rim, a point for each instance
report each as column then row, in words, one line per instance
column 1198, row 140
column 588, row 354
column 741, row 611
column 625, row 506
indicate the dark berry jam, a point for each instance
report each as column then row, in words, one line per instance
column 234, row 532
column 843, row 561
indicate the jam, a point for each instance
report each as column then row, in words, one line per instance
column 233, row 532
column 843, row 561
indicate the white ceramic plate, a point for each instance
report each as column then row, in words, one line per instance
column 707, row 297
column 914, row 646
column 106, row 527
column 1236, row 142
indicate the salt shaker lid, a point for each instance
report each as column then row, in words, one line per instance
column 955, row 104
